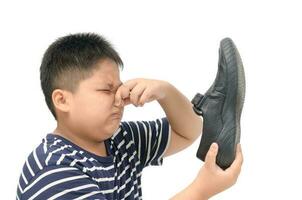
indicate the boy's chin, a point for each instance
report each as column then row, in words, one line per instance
column 112, row 129
column 116, row 127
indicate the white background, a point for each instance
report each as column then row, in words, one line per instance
column 175, row 41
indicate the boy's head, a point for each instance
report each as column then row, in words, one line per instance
column 79, row 77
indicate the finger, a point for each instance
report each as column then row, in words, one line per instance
column 131, row 83
column 122, row 93
column 136, row 93
column 210, row 160
column 236, row 165
column 145, row 97
column 127, row 101
column 118, row 97
column 125, row 92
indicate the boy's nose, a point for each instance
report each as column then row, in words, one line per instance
column 118, row 102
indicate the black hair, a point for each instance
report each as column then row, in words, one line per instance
column 70, row 59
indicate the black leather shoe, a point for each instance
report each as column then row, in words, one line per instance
column 221, row 106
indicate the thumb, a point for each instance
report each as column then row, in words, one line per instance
column 210, row 160
column 127, row 101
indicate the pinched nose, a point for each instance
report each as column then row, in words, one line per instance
column 119, row 103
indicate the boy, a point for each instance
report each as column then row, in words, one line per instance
column 92, row 154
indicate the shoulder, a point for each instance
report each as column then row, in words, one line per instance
column 58, row 151
column 52, row 152
column 53, row 180
column 53, row 160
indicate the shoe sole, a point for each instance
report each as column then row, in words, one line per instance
column 233, row 60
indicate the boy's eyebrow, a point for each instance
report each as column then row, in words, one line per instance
column 111, row 85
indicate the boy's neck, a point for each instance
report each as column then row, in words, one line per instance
column 97, row 148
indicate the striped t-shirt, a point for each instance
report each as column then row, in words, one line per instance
column 59, row 169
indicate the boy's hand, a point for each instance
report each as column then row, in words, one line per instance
column 212, row 179
column 139, row 91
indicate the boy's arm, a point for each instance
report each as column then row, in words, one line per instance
column 185, row 124
column 186, row 127
column 211, row 179
column 191, row 192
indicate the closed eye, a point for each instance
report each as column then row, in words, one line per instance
column 103, row 89
column 107, row 91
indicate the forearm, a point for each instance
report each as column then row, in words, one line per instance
column 191, row 192
column 180, row 114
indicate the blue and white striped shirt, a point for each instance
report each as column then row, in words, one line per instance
column 59, row 169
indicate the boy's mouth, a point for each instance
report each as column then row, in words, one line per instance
column 117, row 115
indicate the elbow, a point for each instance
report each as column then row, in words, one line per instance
column 197, row 131
column 199, row 128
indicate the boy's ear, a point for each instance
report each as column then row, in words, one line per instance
column 61, row 100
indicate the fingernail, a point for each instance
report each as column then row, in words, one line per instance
column 239, row 147
column 214, row 146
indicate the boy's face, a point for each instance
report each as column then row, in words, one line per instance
column 92, row 111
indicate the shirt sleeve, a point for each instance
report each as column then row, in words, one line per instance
column 151, row 139
column 60, row 183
